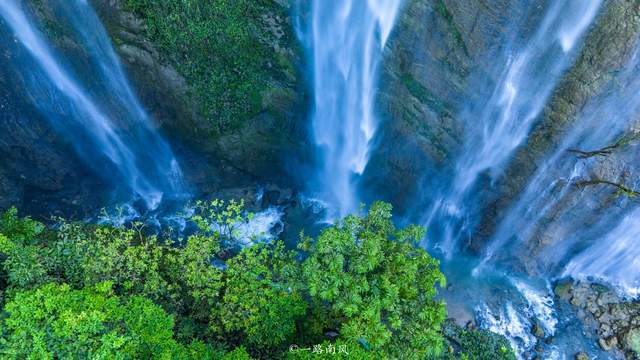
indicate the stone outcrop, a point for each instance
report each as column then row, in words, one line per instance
column 38, row 163
column 39, row 171
column 617, row 319
column 436, row 50
column 608, row 48
column 258, row 148
column 435, row 57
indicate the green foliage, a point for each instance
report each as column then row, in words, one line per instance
column 55, row 321
column 476, row 344
column 222, row 48
column 91, row 291
column 376, row 286
column 261, row 296
column 23, row 263
column 220, row 217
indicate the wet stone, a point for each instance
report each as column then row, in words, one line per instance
column 582, row 356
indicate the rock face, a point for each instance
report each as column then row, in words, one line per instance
column 255, row 149
column 437, row 48
column 36, row 161
column 39, row 171
column 617, row 319
column 438, row 51
column 608, row 48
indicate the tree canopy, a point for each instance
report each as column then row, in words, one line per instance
column 361, row 287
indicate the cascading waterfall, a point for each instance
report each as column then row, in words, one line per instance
column 547, row 206
column 497, row 126
column 347, row 40
column 615, row 258
column 111, row 129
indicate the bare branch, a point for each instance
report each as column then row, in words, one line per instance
column 607, row 150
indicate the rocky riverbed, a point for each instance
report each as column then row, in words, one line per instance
column 615, row 318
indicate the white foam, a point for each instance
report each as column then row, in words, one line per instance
column 510, row 324
column 264, row 226
column 539, row 305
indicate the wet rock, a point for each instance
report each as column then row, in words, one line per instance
column 39, row 171
column 433, row 49
column 538, row 331
column 582, row 356
column 252, row 152
column 608, row 344
column 608, row 47
column 615, row 317
column 563, row 290
column 632, row 340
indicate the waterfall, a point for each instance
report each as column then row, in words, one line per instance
column 347, row 40
column 108, row 128
column 550, row 207
column 614, row 259
column 498, row 125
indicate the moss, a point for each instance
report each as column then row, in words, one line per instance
column 225, row 50
column 442, row 9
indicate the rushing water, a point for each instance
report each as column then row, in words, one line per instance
column 614, row 259
column 499, row 124
column 550, row 207
column 347, row 40
column 91, row 103
column 110, row 131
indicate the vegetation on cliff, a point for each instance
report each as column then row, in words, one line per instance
column 232, row 53
column 361, row 287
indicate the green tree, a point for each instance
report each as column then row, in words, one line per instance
column 373, row 284
column 261, row 297
column 55, row 321
column 74, row 289
column 22, row 261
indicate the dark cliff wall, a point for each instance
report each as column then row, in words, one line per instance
column 252, row 139
column 267, row 120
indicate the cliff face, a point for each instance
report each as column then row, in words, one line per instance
column 35, row 163
column 437, row 50
column 239, row 135
column 39, row 170
column 442, row 57
column 266, row 124
column 608, row 50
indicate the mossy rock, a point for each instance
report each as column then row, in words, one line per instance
column 632, row 341
column 563, row 290
column 231, row 53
